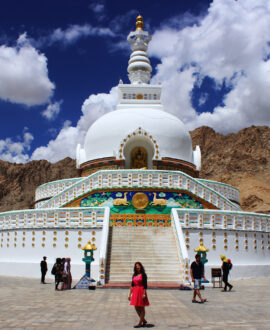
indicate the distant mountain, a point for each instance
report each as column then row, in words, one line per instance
column 19, row 181
column 241, row 159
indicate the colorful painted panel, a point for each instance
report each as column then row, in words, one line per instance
column 149, row 202
column 138, row 220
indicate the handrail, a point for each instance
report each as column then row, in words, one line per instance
column 219, row 183
column 230, row 192
column 42, row 190
column 72, row 217
column 140, row 178
column 223, row 219
column 104, row 243
column 181, row 244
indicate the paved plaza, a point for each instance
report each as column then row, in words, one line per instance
column 26, row 304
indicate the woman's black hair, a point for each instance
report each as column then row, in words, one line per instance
column 135, row 270
column 144, row 276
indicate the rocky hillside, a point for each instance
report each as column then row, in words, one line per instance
column 241, row 159
column 19, row 181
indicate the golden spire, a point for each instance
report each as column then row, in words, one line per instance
column 139, row 23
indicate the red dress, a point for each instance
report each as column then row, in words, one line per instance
column 137, row 293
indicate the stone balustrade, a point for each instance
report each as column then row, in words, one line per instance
column 143, row 179
column 87, row 217
column 47, row 190
column 223, row 189
column 228, row 220
column 181, row 245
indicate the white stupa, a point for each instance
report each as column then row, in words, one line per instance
column 138, row 196
column 140, row 121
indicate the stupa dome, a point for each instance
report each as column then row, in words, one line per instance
column 139, row 133
column 105, row 136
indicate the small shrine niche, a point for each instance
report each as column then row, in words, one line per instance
column 139, row 158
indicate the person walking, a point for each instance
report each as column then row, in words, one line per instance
column 43, row 268
column 226, row 267
column 197, row 273
column 68, row 272
column 58, row 273
column 138, row 295
column 64, row 274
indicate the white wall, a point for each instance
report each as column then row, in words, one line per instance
column 247, row 263
column 25, row 261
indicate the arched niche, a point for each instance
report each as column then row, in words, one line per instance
column 139, row 145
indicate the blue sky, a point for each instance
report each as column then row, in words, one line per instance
column 61, row 60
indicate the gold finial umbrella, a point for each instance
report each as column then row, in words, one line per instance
column 89, row 246
column 139, row 23
column 201, row 248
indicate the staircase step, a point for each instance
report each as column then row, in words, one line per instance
column 155, row 248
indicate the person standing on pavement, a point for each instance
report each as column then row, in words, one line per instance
column 197, row 273
column 68, row 272
column 58, row 273
column 226, row 267
column 43, row 268
column 138, row 295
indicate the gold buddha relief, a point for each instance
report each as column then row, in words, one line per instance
column 138, row 158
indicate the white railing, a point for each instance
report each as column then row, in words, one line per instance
column 73, row 217
column 140, row 178
column 39, row 205
column 104, row 244
column 228, row 220
column 181, row 245
column 224, row 189
column 53, row 188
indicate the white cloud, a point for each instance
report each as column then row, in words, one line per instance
column 65, row 143
column 74, row 32
column 229, row 44
column 24, row 74
column 203, row 98
column 52, row 110
column 16, row 151
column 97, row 7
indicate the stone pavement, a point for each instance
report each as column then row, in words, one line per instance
column 26, row 304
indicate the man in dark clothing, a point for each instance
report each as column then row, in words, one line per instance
column 197, row 273
column 43, row 268
column 226, row 267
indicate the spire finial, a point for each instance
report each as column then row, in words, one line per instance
column 139, row 67
column 139, row 23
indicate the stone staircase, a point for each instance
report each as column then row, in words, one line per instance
column 154, row 247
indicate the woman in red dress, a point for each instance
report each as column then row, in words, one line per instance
column 137, row 295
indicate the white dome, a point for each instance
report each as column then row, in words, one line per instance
column 139, row 120
column 105, row 136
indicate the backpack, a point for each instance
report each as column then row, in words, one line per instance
column 230, row 264
column 53, row 272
